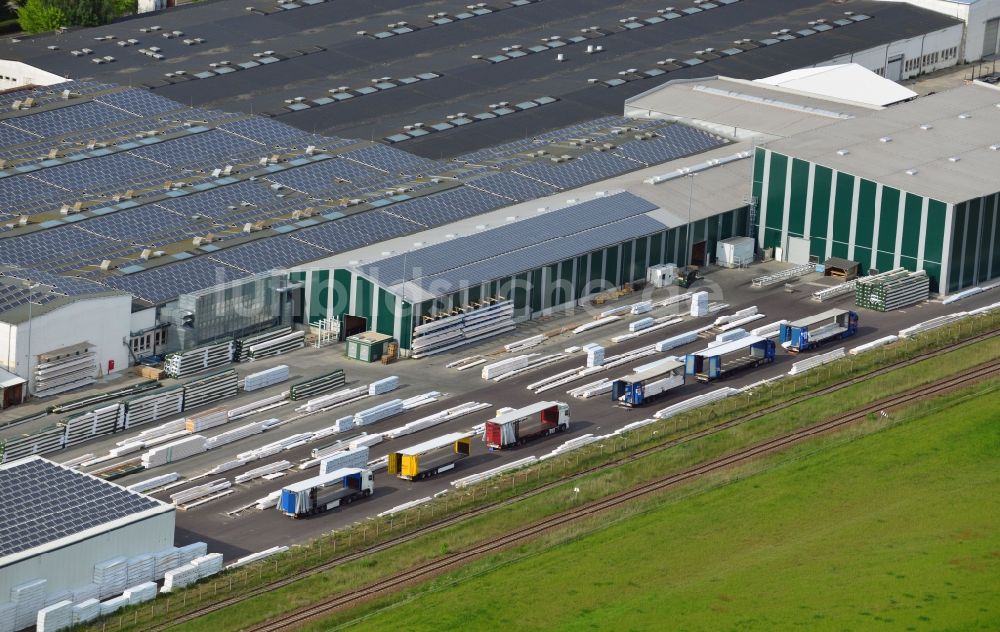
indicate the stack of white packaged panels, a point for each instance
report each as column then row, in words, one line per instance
column 641, row 307
column 152, row 483
column 678, row 340
column 263, row 379
column 56, row 597
column 490, row 371
column 86, row 611
column 113, row 605
column 206, row 420
column 695, row 402
column 344, row 423
column 642, row 323
column 595, row 355
column 58, row 616
column 191, row 551
column 8, row 613
column 85, row 592
column 333, row 399
column 378, row 413
column 200, row 491
column 210, row 388
column 732, row 334
column 139, row 569
column 699, row 304
column 174, row 451
column 276, row 346
column 385, row 385
column 234, row 435
column 264, row 470
column 241, row 348
column 145, row 591
column 91, row 424
column 144, row 409
column 111, row 576
column 344, row 458
column 253, row 557
column 180, row 577
column 366, row 441
column 208, row 565
column 165, row 560
column 185, row 363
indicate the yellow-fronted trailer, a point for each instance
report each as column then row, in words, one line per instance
column 430, row 457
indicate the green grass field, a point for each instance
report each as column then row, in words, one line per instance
column 896, row 530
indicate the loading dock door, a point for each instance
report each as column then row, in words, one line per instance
column 894, row 68
column 990, row 44
column 354, row 325
column 797, row 250
column 698, row 251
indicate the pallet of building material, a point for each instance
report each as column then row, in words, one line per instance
column 60, row 373
column 28, row 599
column 49, row 439
column 893, row 290
column 55, row 617
column 268, row 377
column 144, row 409
column 94, row 400
column 165, row 560
column 264, row 470
column 253, row 557
column 934, row 323
column 199, row 491
column 179, row 578
column 695, row 402
column 277, row 346
column 235, row 434
column 153, row 483
column 173, row 451
column 208, row 564
column 92, row 424
column 111, row 576
column 317, row 385
column 210, row 388
column 193, row 361
column 378, row 413
column 344, row 458
column 490, row 371
column 86, row 611
column 471, row 325
column 385, row 385
column 205, row 420
column 258, row 406
column 140, row 593
column 139, row 569
column 817, row 360
column 241, row 347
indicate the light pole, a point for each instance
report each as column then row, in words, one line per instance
column 687, row 255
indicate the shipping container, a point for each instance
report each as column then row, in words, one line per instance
column 326, row 491
column 807, row 333
column 636, row 390
column 430, row 457
column 517, row 426
column 724, row 359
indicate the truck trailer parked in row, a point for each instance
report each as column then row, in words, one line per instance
column 326, row 491
column 430, row 457
column 638, row 389
column 810, row 332
column 721, row 360
column 517, row 426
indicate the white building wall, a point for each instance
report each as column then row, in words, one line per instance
column 103, row 321
column 918, row 49
column 974, row 15
column 15, row 73
column 73, row 566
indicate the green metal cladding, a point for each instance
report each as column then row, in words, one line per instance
column 843, row 215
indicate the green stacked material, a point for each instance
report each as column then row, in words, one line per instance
column 317, row 385
column 892, row 290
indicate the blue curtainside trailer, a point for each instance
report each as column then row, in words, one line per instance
column 721, row 360
column 810, row 332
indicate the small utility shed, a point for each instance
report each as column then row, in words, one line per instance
column 369, row 346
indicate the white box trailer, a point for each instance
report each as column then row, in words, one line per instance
column 735, row 251
column 517, row 426
column 326, row 491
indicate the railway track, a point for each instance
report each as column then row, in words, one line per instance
column 449, row 521
column 519, row 536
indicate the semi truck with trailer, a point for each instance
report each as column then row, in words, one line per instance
column 515, row 427
column 326, row 491
column 430, row 457
column 724, row 359
column 807, row 333
column 640, row 388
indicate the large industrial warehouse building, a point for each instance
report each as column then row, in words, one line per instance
column 56, row 524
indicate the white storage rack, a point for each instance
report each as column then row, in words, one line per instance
column 241, row 348
column 277, row 346
column 145, row 409
column 192, row 361
column 268, row 377
column 449, row 332
column 210, row 388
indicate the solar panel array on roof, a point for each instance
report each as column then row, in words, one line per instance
column 70, row 286
column 673, row 142
column 41, row 502
column 392, row 160
column 446, row 207
column 164, row 283
column 269, row 254
column 14, row 295
column 69, row 119
column 553, row 225
column 356, row 231
column 211, row 148
column 512, row 186
column 139, row 102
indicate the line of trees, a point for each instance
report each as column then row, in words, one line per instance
column 39, row 16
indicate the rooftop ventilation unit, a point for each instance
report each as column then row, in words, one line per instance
column 843, row 152
column 954, row 159
column 926, row 127
column 885, row 139
column 965, row 116
column 911, row 172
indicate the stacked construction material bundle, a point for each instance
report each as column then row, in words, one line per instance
column 8, row 614
column 111, row 576
column 679, row 340
column 56, row 597
column 591, row 389
column 334, row 399
column 482, row 476
column 113, row 605
column 848, row 287
column 268, row 377
column 641, row 308
column 490, row 371
column 573, row 444
column 385, row 385
column 954, row 298
column 264, row 470
column 210, row 388
column 156, row 432
column 208, row 565
column 225, row 466
column 144, row 409
column 366, row 441
column 165, row 560
column 595, row 355
column 179, row 577
column 173, row 451
column 695, row 402
column 600, row 322
column 642, row 323
column 521, row 345
column 732, row 334
column 187, row 363
column 817, row 360
column 699, row 304
column 139, row 569
column 772, row 330
column 152, row 483
column 235, row 434
column 27, row 600
column 276, row 346
column 268, row 502
column 449, row 332
column 86, row 611
column 58, row 616
column 253, row 557
column 317, row 385
column 139, row 593
column 378, row 413
column 242, row 346
column 344, row 423
column 87, row 591
column 206, row 420
column 985, row 309
column 435, row 419
column 49, row 439
column 191, row 551
column 200, row 491
column 64, row 370
column 874, row 344
column 344, row 458
column 258, row 406
column 892, row 290
column 931, row 324
column 97, row 422
column 404, row 506
column 729, row 318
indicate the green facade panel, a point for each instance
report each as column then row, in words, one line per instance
column 842, row 209
column 822, row 190
column 888, row 220
column 864, row 231
column 776, row 192
column 912, row 210
column 798, row 197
